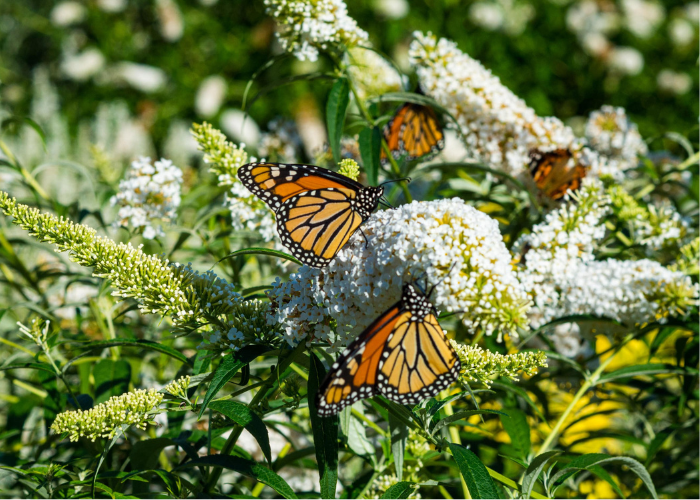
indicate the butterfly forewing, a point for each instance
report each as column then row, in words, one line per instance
column 317, row 210
column 414, row 131
column 403, row 355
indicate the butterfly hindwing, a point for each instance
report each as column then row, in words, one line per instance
column 403, row 355
column 317, row 210
column 414, row 131
column 554, row 173
column 316, row 225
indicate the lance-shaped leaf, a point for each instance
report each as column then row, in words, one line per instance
column 242, row 415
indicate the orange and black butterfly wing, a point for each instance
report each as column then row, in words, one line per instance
column 316, row 225
column 355, row 375
column 403, row 355
column 413, row 132
column 553, row 174
column 418, row 361
column 317, row 210
column 275, row 183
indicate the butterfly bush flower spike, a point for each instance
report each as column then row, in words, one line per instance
column 454, row 246
column 372, row 74
column 479, row 365
column 189, row 298
column 307, row 26
column 248, row 213
column 563, row 278
column 615, row 137
column 349, row 168
column 149, row 196
column 106, row 419
column 497, row 126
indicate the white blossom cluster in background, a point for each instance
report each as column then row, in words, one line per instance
column 453, row 246
column 282, row 143
column 498, row 127
column 372, row 74
column 509, row 16
column 149, row 196
column 305, row 27
column 563, row 279
column 247, row 211
column 611, row 134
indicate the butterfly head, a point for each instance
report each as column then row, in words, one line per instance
column 368, row 199
column 416, row 301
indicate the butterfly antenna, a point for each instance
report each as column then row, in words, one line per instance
column 407, row 179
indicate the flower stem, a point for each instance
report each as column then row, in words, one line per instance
column 591, row 381
column 282, row 365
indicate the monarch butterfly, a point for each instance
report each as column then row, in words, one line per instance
column 413, row 131
column 554, row 174
column 317, row 210
column 403, row 355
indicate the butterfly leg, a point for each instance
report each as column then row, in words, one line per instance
column 365, row 237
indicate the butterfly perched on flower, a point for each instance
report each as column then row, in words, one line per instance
column 403, row 355
column 317, row 210
column 413, row 132
column 555, row 172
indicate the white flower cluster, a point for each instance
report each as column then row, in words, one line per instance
column 664, row 225
column 246, row 324
column 305, row 26
column 563, row 278
column 451, row 245
column 508, row 16
column 372, row 74
column 282, row 143
column 149, row 196
column 559, row 246
column 498, row 127
column 610, row 133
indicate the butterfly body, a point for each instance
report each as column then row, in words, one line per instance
column 317, row 210
column 413, row 132
column 402, row 355
column 555, row 172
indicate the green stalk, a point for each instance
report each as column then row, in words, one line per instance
column 257, row 399
column 591, row 381
column 363, row 109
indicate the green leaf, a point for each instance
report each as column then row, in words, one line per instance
column 228, row 367
column 356, row 434
column 474, row 473
column 141, row 344
column 144, row 454
column 262, row 251
column 399, row 437
column 519, row 391
column 603, row 474
column 325, row 431
column 586, row 462
column 246, row 467
column 658, row 442
column 460, row 415
column 370, row 142
column 33, row 366
column 533, row 471
column 518, row 429
column 111, row 379
column 242, row 415
column 336, row 108
column 646, row 369
column 402, row 489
